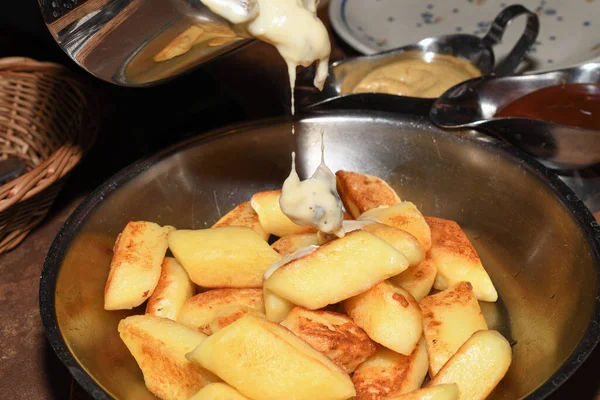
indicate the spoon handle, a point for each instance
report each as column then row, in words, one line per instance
column 527, row 39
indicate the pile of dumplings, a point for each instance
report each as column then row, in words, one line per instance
column 388, row 311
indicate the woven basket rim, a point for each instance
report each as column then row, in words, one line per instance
column 26, row 64
column 67, row 155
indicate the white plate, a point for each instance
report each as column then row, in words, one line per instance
column 569, row 30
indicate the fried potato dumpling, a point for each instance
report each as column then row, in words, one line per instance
column 332, row 334
column 442, row 392
column 388, row 374
column 264, row 360
column 174, row 288
column 389, row 315
column 136, row 265
column 457, row 260
column 214, row 34
column 200, row 310
column 181, row 44
column 221, row 41
column 276, row 307
column 403, row 216
column 230, row 256
column 449, row 319
column 272, row 219
column 478, row 365
column 218, row 391
column 361, row 192
column 418, row 279
column 217, row 29
column 402, row 241
column 230, row 314
column 243, row 215
column 290, row 244
column 336, row 271
column 159, row 346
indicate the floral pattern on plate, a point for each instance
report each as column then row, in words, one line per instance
column 568, row 30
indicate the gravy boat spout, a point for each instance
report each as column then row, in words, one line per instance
column 474, row 104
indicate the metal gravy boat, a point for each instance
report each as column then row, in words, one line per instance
column 473, row 104
column 344, row 75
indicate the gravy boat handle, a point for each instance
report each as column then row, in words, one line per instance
column 523, row 45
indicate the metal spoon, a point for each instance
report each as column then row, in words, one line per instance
column 344, row 75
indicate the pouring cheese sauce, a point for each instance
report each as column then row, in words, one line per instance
column 314, row 201
column 293, row 27
column 297, row 33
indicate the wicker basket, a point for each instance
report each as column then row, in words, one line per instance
column 47, row 119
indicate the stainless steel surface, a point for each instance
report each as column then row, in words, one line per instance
column 536, row 239
column 346, row 74
column 474, row 103
column 117, row 40
column 586, row 185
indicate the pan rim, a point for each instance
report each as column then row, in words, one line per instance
column 61, row 243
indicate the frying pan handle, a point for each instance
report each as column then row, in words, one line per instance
column 527, row 39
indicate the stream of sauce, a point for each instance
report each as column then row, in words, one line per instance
column 574, row 104
column 293, row 27
column 314, row 201
column 301, row 38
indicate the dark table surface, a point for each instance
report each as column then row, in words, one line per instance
column 249, row 84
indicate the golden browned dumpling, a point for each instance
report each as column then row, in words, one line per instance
column 450, row 318
column 389, row 315
column 243, row 215
column 230, row 256
column 199, row 311
column 218, row 391
column 264, row 360
column 172, row 291
column 457, row 260
column 136, row 264
column 333, row 334
column 337, row 270
column 405, row 216
column 290, row 244
column 159, row 345
column 478, row 365
column 388, row 374
column 361, row 192
column 417, row 279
